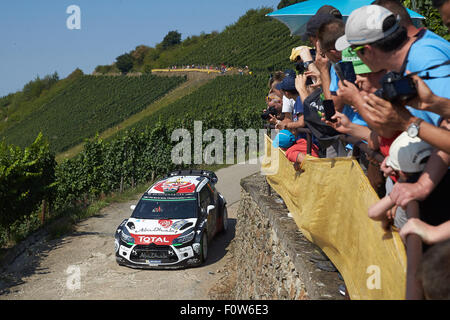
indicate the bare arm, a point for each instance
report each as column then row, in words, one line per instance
column 429, row 234
column 428, row 101
column 435, row 170
column 300, row 123
column 437, row 137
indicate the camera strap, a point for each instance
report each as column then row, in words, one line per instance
column 419, row 36
column 427, row 76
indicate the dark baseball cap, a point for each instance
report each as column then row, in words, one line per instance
column 322, row 16
column 288, row 82
column 315, row 22
column 330, row 10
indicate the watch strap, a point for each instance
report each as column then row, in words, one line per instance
column 307, row 63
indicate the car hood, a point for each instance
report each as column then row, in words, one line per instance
column 159, row 226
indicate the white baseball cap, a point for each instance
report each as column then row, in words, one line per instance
column 365, row 25
column 406, row 154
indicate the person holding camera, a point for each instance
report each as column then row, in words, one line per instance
column 383, row 112
column 287, row 104
column 287, row 87
column 274, row 107
column 296, row 152
column 386, row 45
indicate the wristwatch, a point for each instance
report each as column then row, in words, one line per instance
column 413, row 128
column 307, row 63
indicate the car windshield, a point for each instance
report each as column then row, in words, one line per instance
column 166, row 209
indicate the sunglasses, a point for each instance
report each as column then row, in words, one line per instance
column 356, row 49
column 269, row 99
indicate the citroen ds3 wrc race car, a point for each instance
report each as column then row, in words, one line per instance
column 173, row 222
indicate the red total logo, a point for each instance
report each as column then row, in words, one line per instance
column 158, row 240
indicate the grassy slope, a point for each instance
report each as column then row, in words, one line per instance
column 223, row 103
column 257, row 41
column 193, row 83
column 89, row 105
column 21, row 111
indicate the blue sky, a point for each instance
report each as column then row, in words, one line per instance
column 36, row 41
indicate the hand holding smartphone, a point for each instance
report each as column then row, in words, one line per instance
column 328, row 106
column 345, row 71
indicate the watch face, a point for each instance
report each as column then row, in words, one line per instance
column 412, row 131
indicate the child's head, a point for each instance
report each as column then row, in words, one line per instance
column 434, row 273
column 285, row 139
column 408, row 156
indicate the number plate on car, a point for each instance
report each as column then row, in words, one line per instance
column 153, row 262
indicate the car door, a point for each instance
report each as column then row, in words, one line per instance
column 206, row 199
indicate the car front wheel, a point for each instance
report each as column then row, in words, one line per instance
column 204, row 247
column 225, row 220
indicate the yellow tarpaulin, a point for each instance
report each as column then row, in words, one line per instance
column 329, row 202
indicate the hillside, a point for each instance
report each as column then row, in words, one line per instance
column 259, row 42
column 227, row 102
column 80, row 106
column 89, row 105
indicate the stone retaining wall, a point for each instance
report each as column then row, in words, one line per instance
column 271, row 258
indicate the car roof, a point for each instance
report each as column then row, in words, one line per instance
column 178, row 185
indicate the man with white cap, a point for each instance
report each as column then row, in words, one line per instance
column 381, row 42
column 378, row 38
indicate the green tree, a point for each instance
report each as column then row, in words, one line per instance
column 433, row 20
column 171, row 39
column 139, row 53
column 125, row 62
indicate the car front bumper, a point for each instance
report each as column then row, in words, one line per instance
column 157, row 257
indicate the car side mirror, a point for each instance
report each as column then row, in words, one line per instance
column 210, row 207
column 132, row 207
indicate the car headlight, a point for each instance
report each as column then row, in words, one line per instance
column 126, row 237
column 185, row 237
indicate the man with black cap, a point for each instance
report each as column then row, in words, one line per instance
column 324, row 14
column 287, row 87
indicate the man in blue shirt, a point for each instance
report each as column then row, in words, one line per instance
column 382, row 42
column 327, row 35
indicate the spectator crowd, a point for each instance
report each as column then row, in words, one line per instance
column 381, row 79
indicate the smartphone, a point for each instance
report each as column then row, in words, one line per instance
column 345, row 71
column 313, row 54
column 328, row 107
column 309, row 81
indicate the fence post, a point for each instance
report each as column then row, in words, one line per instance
column 44, row 208
column 309, row 143
column 268, row 128
column 414, row 290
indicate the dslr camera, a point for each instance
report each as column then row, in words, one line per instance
column 396, row 88
column 269, row 111
column 301, row 66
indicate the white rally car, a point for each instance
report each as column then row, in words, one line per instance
column 173, row 222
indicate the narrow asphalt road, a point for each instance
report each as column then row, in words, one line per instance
column 82, row 264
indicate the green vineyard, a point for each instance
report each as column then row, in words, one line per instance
column 223, row 103
column 87, row 106
column 259, row 42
